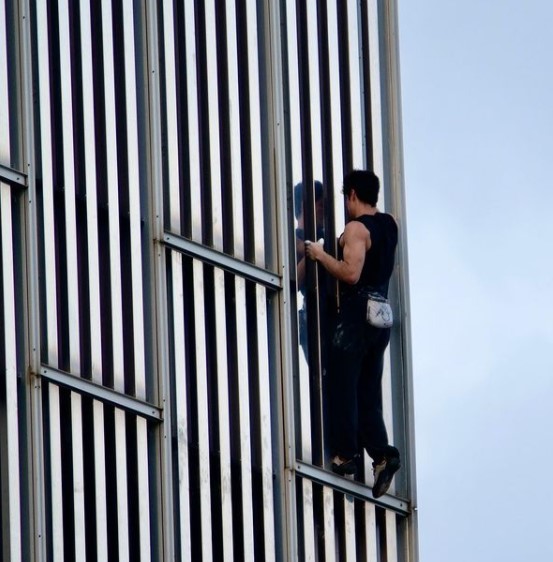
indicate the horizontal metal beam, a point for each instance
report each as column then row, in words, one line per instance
column 102, row 393
column 13, row 177
column 351, row 488
column 224, row 261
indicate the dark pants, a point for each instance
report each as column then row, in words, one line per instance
column 355, row 398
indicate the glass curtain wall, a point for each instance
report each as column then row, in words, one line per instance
column 164, row 342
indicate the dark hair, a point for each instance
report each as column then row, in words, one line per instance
column 365, row 183
column 298, row 195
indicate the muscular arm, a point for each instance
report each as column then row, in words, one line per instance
column 355, row 242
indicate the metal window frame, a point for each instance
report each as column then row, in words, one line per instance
column 103, row 394
column 13, row 177
column 228, row 263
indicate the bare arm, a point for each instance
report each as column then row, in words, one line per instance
column 355, row 242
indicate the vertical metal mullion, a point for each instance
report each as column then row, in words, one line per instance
column 283, row 383
column 72, row 280
column 37, row 522
column 214, row 121
column 264, row 399
column 134, row 186
column 224, row 415
column 255, row 133
column 93, row 279
column 115, row 278
column 49, row 276
column 203, row 411
column 8, row 319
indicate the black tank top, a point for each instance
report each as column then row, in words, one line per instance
column 379, row 260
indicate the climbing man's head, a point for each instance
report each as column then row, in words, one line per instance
column 366, row 185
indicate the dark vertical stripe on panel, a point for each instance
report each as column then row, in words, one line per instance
column 89, row 479
column 67, row 475
column 193, row 447
column 213, row 413
column 47, row 468
column 224, row 127
column 367, row 84
column 61, row 277
column 245, row 132
column 132, row 481
column 111, row 484
column 83, row 275
column 182, row 28
column 205, row 140
column 305, row 109
column 252, row 330
column 318, row 516
column 300, row 512
column 345, row 90
column 268, row 143
column 80, row 190
column 339, row 521
column 360, row 529
column 326, row 127
column 234, row 408
column 381, row 533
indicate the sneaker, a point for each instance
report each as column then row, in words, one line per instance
column 383, row 473
column 343, row 466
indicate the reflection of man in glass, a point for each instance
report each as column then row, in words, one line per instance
column 300, row 248
column 368, row 247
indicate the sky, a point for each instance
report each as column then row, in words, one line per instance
column 477, row 103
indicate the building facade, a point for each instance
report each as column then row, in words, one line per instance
column 163, row 364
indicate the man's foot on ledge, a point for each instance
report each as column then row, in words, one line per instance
column 343, row 466
column 384, row 471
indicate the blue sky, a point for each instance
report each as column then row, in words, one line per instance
column 477, row 91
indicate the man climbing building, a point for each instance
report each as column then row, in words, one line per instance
column 367, row 252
